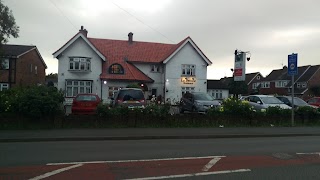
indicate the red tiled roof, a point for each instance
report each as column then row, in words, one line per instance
column 121, row 52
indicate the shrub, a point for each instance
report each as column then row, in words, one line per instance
column 33, row 102
column 307, row 112
column 233, row 106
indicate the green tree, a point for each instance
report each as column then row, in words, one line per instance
column 8, row 25
column 238, row 87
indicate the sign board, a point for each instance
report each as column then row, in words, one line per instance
column 239, row 71
column 292, row 64
column 188, row 80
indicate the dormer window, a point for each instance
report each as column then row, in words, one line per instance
column 116, row 69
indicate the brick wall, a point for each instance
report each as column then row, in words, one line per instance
column 24, row 76
column 273, row 90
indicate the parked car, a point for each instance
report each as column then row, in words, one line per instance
column 297, row 102
column 315, row 101
column 259, row 102
column 129, row 97
column 85, row 104
column 197, row 102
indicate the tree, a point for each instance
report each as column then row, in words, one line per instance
column 52, row 76
column 238, row 87
column 8, row 25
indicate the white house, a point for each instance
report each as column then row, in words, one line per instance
column 102, row 66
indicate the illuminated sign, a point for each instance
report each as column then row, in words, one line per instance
column 188, row 80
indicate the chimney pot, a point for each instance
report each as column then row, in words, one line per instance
column 83, row 31
column 130, row 38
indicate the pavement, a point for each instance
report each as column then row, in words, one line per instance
column 152, row 133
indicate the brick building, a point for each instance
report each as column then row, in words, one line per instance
column 21, row 66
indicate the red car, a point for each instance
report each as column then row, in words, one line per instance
column 85, row 104
column 315, row 101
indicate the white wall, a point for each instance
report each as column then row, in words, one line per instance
column 173, row 72
column 80, row 48
column 157, row 77
column 225, row 92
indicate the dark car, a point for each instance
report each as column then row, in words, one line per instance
column 130, row 97
column 197, row 102
column 85, row 104
column 297, row 102
column 315, row 101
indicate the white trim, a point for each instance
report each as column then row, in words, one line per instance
column 313, row 74
column 35, row 48
column 194, row 46
column 26, row 52
column 255, row 77
column 57, row 53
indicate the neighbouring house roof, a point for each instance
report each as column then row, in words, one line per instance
column 282, row 74
column 250, row 77
column 125, row 53
column 308, row 74
column 216, row 84
column 16, row 51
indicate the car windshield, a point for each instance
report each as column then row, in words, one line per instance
column 86, row 98
column 203, row 97
column 130, row 94
column 271, row 100
column 298, row 101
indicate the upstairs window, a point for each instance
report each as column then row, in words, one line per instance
column 116, row 69
column 189, row 69
column 265, row 85
column 304, row 85
column 4, row 64
column 79, row 64
column 155, row 68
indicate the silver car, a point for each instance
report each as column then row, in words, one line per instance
column 259, row 102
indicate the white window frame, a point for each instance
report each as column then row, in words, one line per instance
column 304, row 85
column 5, row 64
column 298, row 85
column 255, row 85
column 265, row 85
column 31, row 68
column 217, row 94
column 281, row 84
column 188, row 69
column 74, row 87
column 35, row 69
column 4, row 86
column 187, row 89
column 83, row 64
column 155, row 68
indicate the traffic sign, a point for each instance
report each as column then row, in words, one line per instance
column 292, row 64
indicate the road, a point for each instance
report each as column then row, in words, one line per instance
column 261, row 155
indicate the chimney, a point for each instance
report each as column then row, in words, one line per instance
column 130, row 39
column 83, row 31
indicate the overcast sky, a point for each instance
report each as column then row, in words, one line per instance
column 269, row 29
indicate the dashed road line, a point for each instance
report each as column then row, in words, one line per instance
column 192, row 175
column 141, row 160
column 48, row 174
column 210, row 164
column 318, row 153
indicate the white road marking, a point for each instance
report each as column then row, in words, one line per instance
column 210, row 164
column 55, row 172
column 310, row 153
column 192, row 175
column 141, row 160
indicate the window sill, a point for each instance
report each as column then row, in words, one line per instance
column 80, row 71
column 188, row 75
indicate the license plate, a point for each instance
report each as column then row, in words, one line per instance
column 85, row 104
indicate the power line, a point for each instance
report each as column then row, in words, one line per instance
column 63, row 15
column 142, row 21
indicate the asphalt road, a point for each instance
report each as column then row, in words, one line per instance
column 38, row 153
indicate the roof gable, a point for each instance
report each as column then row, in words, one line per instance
column 72, row 40
column 16, row 51
column 181, row 45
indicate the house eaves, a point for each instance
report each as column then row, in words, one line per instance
column 188, row 40
column 72, row 40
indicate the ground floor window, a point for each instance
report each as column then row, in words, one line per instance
column 4, row 86
column 74, row 87
column 217, row 94
column 187, row 89
column 113, row 90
